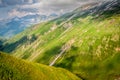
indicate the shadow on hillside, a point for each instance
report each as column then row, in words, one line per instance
column 48, row 54
column 12, row 46
column 1, row 44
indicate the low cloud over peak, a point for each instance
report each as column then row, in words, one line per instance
column 47, row 2
column 13, row 7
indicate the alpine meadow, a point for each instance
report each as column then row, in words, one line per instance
column 82, row 44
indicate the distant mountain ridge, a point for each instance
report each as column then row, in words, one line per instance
column 11, row 27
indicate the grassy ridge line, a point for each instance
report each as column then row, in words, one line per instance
column 16, row 69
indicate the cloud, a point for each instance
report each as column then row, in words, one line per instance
column 11, row 8
column 0, row 1
column 11, row 2
column 15, row 12
column 45, row 2
column 64, row 5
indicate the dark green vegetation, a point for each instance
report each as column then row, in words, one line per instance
column 2, row 40
column 85, row 41
column 16, row 69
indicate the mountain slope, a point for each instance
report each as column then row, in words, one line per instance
column 86, row 42
column 16, row 69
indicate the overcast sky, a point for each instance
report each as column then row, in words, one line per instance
column 19, row 8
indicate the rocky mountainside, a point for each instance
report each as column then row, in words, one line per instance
column 85, row 41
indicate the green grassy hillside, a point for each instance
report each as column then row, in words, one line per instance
column 88, row 44
column 16, row 69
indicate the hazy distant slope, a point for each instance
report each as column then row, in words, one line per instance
column 16, row 69
column 86, row 42
column 11, row 27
